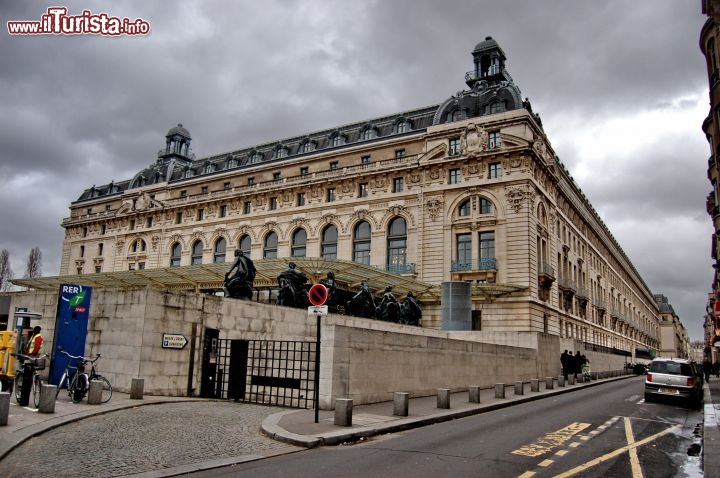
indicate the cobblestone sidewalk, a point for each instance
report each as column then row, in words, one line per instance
column 147, row 438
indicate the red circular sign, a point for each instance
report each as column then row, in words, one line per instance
column 317, row 295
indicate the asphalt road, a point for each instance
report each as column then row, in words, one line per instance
column 603, row 431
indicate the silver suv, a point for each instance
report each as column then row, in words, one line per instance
column 674, row 378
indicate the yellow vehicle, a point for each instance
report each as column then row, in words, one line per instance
column 7, row 360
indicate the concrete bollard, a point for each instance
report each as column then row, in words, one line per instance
column 581, row 378
column 343, row 412
column 48, row 393
column 136, row 388
column 549, row 383
column 95, row 392
column 561, row 380
column 534, row 385
column 474, row 394
column 499, row 390
column 519, row 388
column 443, row 398
column 571, row 380
column 401, row 404
column 4, row 408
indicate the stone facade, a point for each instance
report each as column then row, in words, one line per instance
column 467, row 190
column 363, row 359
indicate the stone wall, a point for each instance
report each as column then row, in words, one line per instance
column 362, row 359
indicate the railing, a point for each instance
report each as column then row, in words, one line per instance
column 567, row 284
column 607, row 350
column 582, row 293
column 485, row 264
column 408, row 268
column 547, row 270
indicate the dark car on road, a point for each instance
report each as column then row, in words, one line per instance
column 674, row 379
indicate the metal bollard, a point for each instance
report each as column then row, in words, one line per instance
column 519, row 388
column 549, row 383
column 474, row 394
column 95, row 392
column 443, row 398
column 4, row 408
column 343, row 412
column 47, row 398
column 401, row 404
column 499, row 390
column 136, row 388
column 561, row 380
column 534, row 385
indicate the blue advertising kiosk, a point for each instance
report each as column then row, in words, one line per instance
column 71, row 325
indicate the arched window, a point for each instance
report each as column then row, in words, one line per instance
column 197, row 253
column 361, row 243
column 270, row 246
column 338, row 140
column 299, row 239
column 244, row 244
column 281, row 152
column 255, row 157
column 369, row 134
column 138, row 245
column 397, row 246
column 220, row 246
column 464, row 208
column 486, row 206
column 308, row 147
column 328, row 246
column 175, row 253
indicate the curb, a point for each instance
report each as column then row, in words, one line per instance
column 271, row 428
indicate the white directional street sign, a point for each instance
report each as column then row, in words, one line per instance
column 318, row 310
column 173, row 341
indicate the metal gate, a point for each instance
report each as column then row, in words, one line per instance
column 270, row 372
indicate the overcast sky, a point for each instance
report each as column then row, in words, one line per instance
column 621, row 88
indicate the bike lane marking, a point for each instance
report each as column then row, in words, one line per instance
column 550, row 441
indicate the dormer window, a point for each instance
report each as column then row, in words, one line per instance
column 308, row 147
column 255, row 157
column 188, row 173
column 403, row 126
column 338, row 140
column 281, row 152
column 369, row 133
column 208, row 168
column 232, row 162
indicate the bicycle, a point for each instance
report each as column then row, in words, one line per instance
column 79, row 384
column 37, row 364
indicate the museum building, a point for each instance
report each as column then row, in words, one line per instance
column 468, row 190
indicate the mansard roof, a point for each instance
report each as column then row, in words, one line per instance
column 489, row 94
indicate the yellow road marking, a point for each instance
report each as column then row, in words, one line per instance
column 634, row 460
column 549, row 441
column 613, row 454
column 561, row 452
column 546, row 463
column 527, row 474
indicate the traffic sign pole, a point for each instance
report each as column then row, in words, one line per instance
column 317, row 295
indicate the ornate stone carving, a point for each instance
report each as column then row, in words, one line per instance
column 155, row 241
column 434, row 207
column 435, row 173
column 516, row 195
column 473, row 140
column 415, row 177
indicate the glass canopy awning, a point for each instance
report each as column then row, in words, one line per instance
column 205, row 277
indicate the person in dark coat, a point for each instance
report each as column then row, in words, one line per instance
column 565, row 359
column 577, row 364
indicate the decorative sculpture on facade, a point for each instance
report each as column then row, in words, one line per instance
column 293, row 291
column 239, row 279
column 362, row 304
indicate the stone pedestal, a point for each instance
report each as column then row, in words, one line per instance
column 499, row 390
column 534, row 385
column 343, row 412
column 443, row 398
column 136, row 388
column 474, row 394
column 549, row 383
column 95, row 392
column 519, row 388
column 401, row 403
column 48, row 393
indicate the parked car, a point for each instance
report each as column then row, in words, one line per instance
column 674, row 378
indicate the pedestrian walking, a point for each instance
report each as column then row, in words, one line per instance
column 565, row 359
